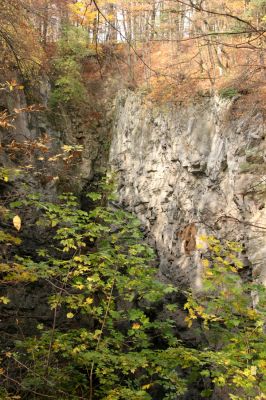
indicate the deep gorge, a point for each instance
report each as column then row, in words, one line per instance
column 182, row 171
column 132, row 200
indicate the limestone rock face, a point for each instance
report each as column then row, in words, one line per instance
column 188, row 171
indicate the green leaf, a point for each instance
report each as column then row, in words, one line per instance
column 94, row 196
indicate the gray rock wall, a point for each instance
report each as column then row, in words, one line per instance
column 188, row 171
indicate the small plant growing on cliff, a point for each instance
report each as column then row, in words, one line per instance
column 229, row 93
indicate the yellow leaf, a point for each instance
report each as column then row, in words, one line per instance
column 189, row 322
column 252, row 314
column 70, row 315
column 17, row 222
column 97, row 333
column 78, row 258
column 4, row 300
column 89, row 300
column 80, row 287
column 135, row 326
column 262, row 364
column 199, row 309
column 147, row 386
column 203, row 238
column 205, row 263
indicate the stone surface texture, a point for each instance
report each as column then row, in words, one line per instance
column 191, row 170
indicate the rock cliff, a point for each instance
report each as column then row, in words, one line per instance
column 191, row 170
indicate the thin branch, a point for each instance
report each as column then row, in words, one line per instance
column 203, row 35
column 199, row 8
column 222, row 217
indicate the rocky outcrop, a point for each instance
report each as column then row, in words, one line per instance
column 192, row 170
column 56, row 150
column 47, row 153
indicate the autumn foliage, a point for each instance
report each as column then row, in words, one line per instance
column 109, row 331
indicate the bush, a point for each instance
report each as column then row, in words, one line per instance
column 228, row 93
column 111, row 346
column 233, row 326
column 106, row 341
column 69, row 87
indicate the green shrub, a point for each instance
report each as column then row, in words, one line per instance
column 111, row 345
column 233, row 325
column 72, row 48
column 106, row 341
column 228, row 93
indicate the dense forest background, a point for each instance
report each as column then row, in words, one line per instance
column 173, row 47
